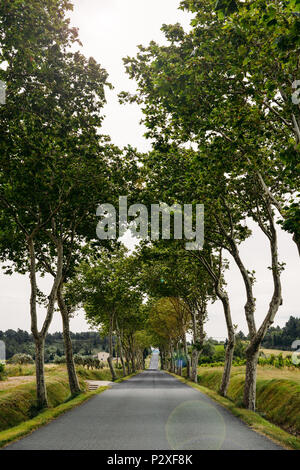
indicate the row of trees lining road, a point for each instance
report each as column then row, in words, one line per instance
column 55, row 166
column 218, row 108
column 107, row 288
column 217, row 104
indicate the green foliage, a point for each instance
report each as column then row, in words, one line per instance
column 59, row 360
column 84, row 343
column 282, row 338
column 2, row 371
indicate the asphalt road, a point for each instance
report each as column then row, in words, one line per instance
column 151, row 411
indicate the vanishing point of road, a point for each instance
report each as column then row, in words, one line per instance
column 150, row 411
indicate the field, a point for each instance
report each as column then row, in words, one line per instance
column 276, row 352
column 278, row 392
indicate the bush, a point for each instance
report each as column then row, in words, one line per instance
column 78, row 359
column 2, row 371
column 209, row 349
column 60, row 359
column 20, row 358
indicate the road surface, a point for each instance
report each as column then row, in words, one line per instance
column 151, row 411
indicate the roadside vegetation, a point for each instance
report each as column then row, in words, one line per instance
column 17, row 391
column 255, row 420
column 278, row 392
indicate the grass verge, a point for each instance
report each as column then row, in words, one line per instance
column 277, row 393
column 254, row 420
column 121, row 379
column 27, row 427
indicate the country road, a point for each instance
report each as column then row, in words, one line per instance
column 151, row 411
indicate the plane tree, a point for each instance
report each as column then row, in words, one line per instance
column 55, row 166
column 200, row 86
column 169, row 320
column 196, row 91
column 112, row 301
column 165, row 271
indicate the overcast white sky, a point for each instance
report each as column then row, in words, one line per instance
column 109, row 31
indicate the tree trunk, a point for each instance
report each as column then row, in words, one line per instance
column 73, row 379
column 121, row 349
column 231, row 341
column 227, row 365
column 41, row 391
column 123, row 364
column 188, row 359
column 110, row 358
column 256, row 339
column 39, row 337
column 199, row 315
column 162, row 360
column 122, row 357
column 133, row 365
column 194, row 367
column 127, row 363
column 250, row 379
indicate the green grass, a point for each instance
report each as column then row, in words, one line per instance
column 254, row 420
column 19, row 403
column 14, row 370
column 278, row 393
column 18, row 412
column 43, row 418
column 121, row 379
column 95, row 374
column 219, row 347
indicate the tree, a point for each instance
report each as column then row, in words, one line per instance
column 166, row 271
column 105, row 287
column 31, row 126
column 198, row 89
column 55, row 166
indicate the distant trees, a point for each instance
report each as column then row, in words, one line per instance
column 105, row 286
column 282, row 338
column 21, row 359
column 22, row 342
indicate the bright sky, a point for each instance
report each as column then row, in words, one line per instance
column 109, row 31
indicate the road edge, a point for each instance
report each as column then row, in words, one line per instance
column 256, row 422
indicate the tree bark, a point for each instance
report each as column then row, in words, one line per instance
column 110, row 358
column 188, row 359
column 250, row 379
column 122, row 357
column 231, row 341
column 162, row 359
column 73, row 379
column 41, row 390
column 194, row 367
column 39, row 336
column 172, row 362
column 256, row 339
column 199, row 313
